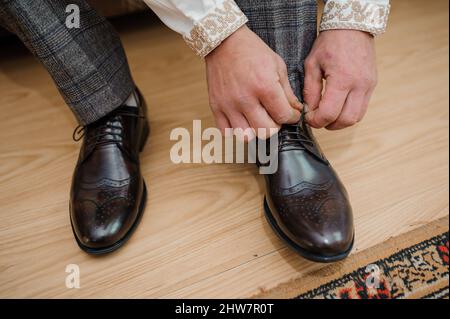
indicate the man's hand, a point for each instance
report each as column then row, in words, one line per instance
column 248, row 85
column 346, row 60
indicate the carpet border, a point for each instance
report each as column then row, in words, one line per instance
column 298, row 286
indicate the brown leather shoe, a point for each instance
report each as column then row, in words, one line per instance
column 108, row 192
column 306, row 203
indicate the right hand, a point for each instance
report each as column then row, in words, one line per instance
column 248, row 85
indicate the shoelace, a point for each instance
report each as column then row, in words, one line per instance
column 109, row 131
column 293, row 135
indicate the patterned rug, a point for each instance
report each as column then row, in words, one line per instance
column 414, row 265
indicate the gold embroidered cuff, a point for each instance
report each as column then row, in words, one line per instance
column 215, row 27
column 356, row 15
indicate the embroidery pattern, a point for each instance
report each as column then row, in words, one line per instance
column 355, row 15
column 216, row 26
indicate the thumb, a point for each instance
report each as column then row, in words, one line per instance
column 291, row 97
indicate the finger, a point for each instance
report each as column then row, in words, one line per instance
column 221, row 121
column 241, row 127
column 312, row 88
column 330, row 105
column 286, row 85
column 352, row 112
column 261, row 122
column 275, row 102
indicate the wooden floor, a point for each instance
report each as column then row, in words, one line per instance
column 203, row 233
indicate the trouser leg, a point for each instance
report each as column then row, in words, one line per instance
column 88, row 64
column 289, row 27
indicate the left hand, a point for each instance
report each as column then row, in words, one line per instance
column 346, row 60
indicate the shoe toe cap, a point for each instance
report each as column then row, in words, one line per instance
column 334, row 232
column 332, row 243
column 101, row 227
column 325, row 232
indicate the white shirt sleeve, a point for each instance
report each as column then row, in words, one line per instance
column 364, row 15
column 204, row 24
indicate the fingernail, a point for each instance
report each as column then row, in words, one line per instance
column 298, row 104
column 295, row 116
column 305, row 108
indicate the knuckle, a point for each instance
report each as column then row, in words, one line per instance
column 259, row 86
column 350, row 120
column 309, row 91
column 309, row 63
column 368, row 82
column 374, row 82
column 279, row 62
column 279, row 59
column 241, row 101
column 345, row 84
column 283, row 70
column 328, row 117
column 347, row 77
column 327, row 54
column 214, row 105
column 249, row 108
column 281, row 117
column 317, row 122
column 266, row 89
column 314, row 124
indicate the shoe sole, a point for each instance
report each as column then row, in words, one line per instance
column 124, row 239
column 301, row 251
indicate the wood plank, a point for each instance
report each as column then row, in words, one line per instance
column 203, row 233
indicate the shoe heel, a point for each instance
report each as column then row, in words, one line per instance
column 144, row 136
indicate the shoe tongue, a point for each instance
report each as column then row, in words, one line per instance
column 312, row 148
column 292, row 134
column 108, row 131
column 97, row 137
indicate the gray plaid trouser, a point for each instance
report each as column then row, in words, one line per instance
column 289, row 27
column 89, row 65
